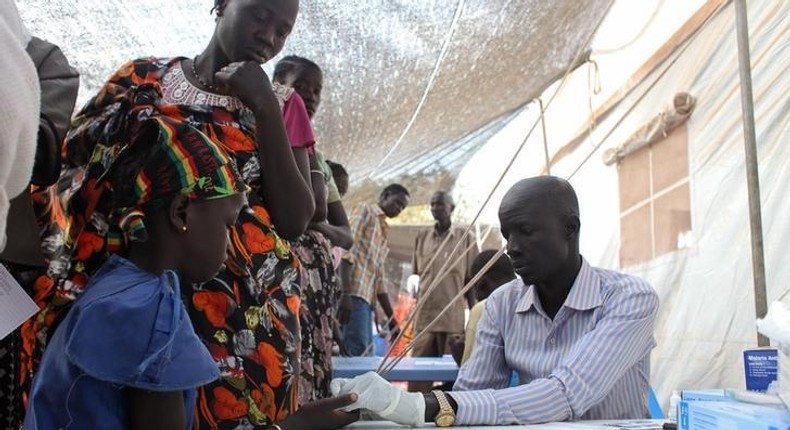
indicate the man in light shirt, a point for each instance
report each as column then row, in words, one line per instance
column 442, row 258
column 578, row 336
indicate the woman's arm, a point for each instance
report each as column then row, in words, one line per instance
column 288, row 197
column 285, row 171
column 336, row 229
column 319, row 190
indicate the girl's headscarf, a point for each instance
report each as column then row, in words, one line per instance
column 164, row 158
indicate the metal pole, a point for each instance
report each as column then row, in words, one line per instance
column 752, row 174
column 545, row 138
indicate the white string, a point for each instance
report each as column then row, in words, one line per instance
column 497, row 184
column 384, row 370
column 442, row 54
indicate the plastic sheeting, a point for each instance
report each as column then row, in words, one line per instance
column 707, row 314
column 377, row 55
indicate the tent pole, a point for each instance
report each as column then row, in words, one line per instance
column 752, row 174
column 545, row 138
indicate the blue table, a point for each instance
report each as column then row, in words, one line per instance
column 409, row 369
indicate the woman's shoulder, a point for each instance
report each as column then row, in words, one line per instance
column 144, row 69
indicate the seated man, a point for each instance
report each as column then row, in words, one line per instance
column 579, row 336
column 500, row 273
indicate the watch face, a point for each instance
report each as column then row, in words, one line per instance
column 445, row 420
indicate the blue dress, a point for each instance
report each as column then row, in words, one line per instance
column 129, row 329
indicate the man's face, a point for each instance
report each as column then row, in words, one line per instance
column 537, row 240
column 441, row 207
column 393, row 203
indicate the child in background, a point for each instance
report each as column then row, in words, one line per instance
column 329, row 227
column 126, row 354
column 500, row 273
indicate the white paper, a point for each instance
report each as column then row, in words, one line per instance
column 15, row 305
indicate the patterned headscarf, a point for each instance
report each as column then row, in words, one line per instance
column 165, row 157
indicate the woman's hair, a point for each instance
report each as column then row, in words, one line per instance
column 219, row 6
column 337, row 168
column 292, row 63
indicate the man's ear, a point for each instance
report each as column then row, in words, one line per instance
column 572, row 226
column 177, row 213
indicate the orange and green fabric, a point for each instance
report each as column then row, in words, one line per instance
column 247, row 316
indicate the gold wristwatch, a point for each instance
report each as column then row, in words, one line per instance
column 446, row 415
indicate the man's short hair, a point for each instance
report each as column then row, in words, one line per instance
column 394, row 189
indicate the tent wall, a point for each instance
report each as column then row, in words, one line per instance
column 707, row 314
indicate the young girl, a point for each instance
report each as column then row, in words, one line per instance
column 126, row 355
column 330, row 224
column 248, row 314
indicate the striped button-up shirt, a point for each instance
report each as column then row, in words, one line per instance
column 369, row 229
column 592, row 361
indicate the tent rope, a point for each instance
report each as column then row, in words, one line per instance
column 428, row 87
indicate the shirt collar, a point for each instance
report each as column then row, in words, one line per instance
column 378, row 211
column 585, row 293
column 436, row 230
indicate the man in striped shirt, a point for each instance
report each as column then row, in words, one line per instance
column 362, row 269
column 579, row 337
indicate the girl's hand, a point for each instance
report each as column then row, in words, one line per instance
column 323, row 414
column 248, row 82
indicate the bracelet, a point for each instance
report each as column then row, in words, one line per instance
column 275, row 427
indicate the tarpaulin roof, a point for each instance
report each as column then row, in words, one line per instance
column 378, row 57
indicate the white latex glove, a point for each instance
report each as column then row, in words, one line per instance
column 378, row 396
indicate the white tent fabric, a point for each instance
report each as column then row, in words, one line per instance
column 378, row 57
column 707, row 314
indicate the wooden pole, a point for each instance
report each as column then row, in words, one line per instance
column 752, row 172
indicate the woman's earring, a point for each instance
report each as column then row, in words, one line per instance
column 183, row 228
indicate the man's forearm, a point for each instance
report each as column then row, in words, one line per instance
column 345, row 276
column 384, row 300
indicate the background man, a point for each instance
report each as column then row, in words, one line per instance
column 362, row 269
column 444, row 270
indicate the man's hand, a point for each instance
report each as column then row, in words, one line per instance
column 382, row 399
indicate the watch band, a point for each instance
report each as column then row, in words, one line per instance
column 444, row 405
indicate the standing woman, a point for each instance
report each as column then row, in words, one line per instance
column 248, row 315
column 314, row 248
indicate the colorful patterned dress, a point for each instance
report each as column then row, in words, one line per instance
column 320, row 294
column 319, row 297
column 248, row 316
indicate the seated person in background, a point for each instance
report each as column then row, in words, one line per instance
column 500, row 273
column 340, row 175
column 579, row 336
